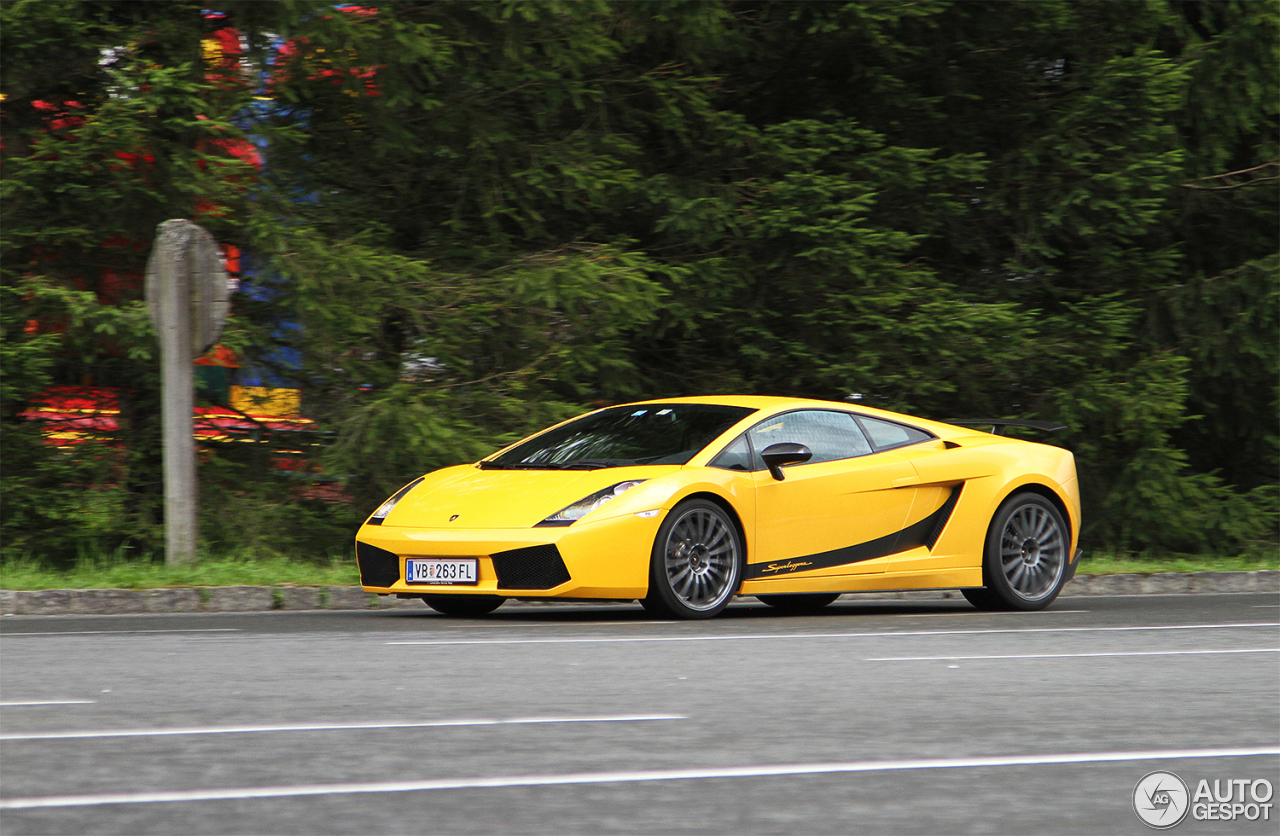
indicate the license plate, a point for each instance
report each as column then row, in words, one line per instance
column 436, row 570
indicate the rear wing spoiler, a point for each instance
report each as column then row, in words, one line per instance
column 997, row 425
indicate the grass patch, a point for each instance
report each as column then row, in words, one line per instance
column 114, row 572
column 1113, row 564
column 117, row 571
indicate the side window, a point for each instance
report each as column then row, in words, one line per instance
column 886, row 434
column 737, row 456
column 830, row 435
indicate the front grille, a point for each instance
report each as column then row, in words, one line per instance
column 378, row 567
column 535, row 567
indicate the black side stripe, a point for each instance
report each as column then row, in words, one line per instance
column 923, row 533
column 940, row 518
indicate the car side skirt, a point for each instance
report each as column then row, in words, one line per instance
column 880, row 582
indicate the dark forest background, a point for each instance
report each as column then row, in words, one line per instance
column 475, row 218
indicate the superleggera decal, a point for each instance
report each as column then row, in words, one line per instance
column 789, row 566
column 923, row 533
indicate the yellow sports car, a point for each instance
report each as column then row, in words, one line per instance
column 686, row 502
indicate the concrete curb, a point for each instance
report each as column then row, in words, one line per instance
column 296, row 598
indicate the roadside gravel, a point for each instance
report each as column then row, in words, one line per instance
column 264, row 598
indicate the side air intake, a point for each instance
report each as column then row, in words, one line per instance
column 535, row 567
column 378, row 567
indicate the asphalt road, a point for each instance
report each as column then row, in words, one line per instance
column 873, row 717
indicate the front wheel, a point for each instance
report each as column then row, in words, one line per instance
column 696, row 564
column 1025, row 560
column 463, row 606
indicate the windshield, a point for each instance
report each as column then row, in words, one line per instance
column 624, row 435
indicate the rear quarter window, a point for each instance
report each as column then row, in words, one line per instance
column 886, row 435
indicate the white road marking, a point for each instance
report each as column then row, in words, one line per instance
column 798, row 636
column 625, row 777
column 1069, row 655
column 307, row 727
column 10, row 635
column 16, row 703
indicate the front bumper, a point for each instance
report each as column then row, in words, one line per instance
column 604, row 559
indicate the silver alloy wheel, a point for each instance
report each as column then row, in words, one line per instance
column 700, row 558
column 1033, row 551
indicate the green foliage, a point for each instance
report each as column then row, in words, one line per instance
column 110, row 127
column 63, row 500
column 442, row 366
column 484, row 217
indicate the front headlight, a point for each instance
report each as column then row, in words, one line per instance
column 571, row 513
column 385, row 508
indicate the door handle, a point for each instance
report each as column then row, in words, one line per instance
column 906, row 481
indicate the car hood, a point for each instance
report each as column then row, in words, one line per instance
column 467, row 497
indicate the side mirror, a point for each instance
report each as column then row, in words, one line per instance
column 776, row 455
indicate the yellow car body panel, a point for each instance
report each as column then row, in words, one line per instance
column 823, row 507
column 910, row 517
column 466, row 497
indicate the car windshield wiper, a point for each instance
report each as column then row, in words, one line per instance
column 588, row 464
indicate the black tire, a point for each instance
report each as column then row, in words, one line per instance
column 808, row 602
column 463, row 606
column 1025, row 560
column 696, row 564
column 983, row 599
column 653, row 608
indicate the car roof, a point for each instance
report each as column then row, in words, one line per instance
column 772, row 405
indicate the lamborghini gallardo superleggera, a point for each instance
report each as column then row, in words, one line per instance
column 685, row 503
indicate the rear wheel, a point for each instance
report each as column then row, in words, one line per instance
column 696, row 564
column 463, row 606
column 800, row 602
column 1025, row 561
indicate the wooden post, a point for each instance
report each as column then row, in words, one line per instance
column 188, row 296
column 173, row 283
